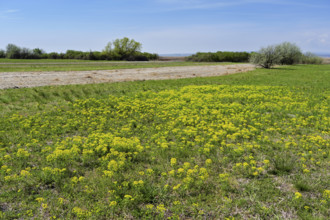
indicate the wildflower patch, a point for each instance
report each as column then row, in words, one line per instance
column 200, row 151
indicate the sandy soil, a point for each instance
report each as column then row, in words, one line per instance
column 33, row 79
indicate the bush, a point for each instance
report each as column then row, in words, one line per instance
column 266, row 57
column 310, row 58
column 290, row 53
column 283, row 54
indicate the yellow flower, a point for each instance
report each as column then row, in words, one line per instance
column 186, row 165
column 40, row 199
column 208, row 162
column 173, row 161
column 161, row 208
column 25, row 173
column 113, row 165
column 306, row 171
column 326, row 194
column 128, row 197
column 180, row 170
column 171, row 173
column 22, row 153
column 297, row 195
column 113, row 203
column 176, row 187
column 60, row 200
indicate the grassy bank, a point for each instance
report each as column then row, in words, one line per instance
column 250, row 145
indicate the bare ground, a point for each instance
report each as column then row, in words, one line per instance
column 33, row 79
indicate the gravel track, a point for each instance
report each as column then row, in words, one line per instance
column 34, row 79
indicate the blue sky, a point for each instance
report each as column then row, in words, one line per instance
column 166, row 26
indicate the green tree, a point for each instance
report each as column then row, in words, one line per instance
column 13, row 51
column 123, row 49
column 108, row 48
column 2, row 54
column 38, row 51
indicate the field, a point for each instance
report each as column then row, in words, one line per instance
column 249, row 145
column 19, row 65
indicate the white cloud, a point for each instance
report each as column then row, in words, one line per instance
column 9, row 11
column 9, row 14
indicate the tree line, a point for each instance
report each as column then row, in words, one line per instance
column 281, row 54
column 220, row 56
column 119, row 49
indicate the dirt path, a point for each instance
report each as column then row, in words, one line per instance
column 33, row 79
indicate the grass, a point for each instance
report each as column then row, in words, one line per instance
column 249, row 145
column 17, row 65
column 46, row 61
column 313, row 77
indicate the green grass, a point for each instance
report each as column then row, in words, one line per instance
column 17, row 65
column 313, row 77
column 249, row 145
column 28, row 61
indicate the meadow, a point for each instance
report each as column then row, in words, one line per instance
column 249, row 145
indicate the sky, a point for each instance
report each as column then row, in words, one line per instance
column 166, row 26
